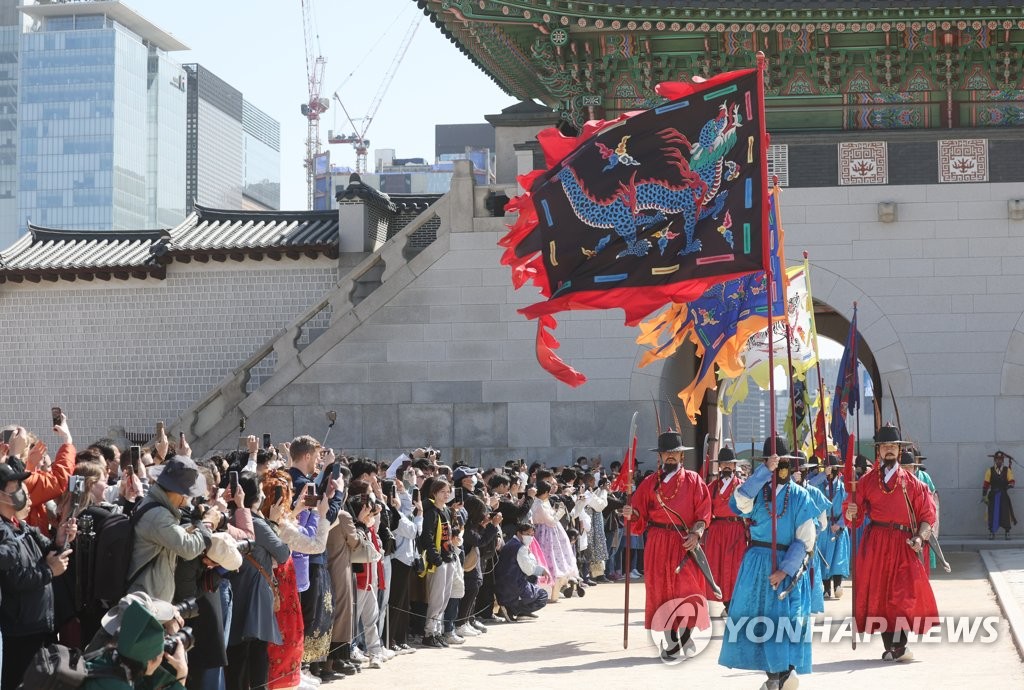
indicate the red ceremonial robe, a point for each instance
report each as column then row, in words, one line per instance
column 725, row 540
column 893, row 592
column 684, row 493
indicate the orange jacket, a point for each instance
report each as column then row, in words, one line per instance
column 48, row 486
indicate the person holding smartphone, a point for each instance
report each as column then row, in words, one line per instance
column 29, row 562
column 317, row 603
column 44, row 486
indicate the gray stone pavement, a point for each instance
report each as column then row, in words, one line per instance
column 578, row 643
column 1006, row 573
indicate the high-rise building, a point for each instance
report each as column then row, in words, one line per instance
column 233, row 148
column 261, row 183
column 10, row 36
column 101, row 109
column 213, row 169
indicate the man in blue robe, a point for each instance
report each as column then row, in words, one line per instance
column 764, row 632
column 834, row 542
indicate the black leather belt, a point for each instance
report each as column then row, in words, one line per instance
column 768, row 545
column 660, row 525
column 891, row 525
column 727, row 519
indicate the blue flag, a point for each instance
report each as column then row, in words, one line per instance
column 847, row 393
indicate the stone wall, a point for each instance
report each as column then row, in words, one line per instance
column 450, row 362
column 126, row 353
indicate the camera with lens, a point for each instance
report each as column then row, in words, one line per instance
column 184, row 636
column 245, row 546
column 187, row 608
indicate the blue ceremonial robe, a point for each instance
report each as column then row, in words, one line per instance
column 755, row 606
column 835, row 547
column 822, row 503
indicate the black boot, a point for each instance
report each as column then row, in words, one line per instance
column 343, row 660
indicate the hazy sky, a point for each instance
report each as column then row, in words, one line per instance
column 257, row 47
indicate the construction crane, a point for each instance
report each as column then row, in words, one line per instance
column 315, row 105
column 358, row 136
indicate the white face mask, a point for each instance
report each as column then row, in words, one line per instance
column 527, row 538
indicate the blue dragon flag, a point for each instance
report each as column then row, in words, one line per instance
column 648, row 209
column 847, row 394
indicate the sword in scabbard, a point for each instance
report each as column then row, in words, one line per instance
column 699, row 557
column 822, row 557
column 796, row 577
column 933, row 542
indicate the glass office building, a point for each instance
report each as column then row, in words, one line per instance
column 261, row 184
column 101, row 110
column 213, row 169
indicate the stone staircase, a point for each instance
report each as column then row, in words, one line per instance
column 367, row 287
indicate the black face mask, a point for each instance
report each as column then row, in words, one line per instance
column 19, row 499
column 783, row 475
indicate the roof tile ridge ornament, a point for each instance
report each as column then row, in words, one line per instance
column 41, row 234
column 209, row 214
column 357, row 189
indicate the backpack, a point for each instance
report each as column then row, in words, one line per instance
column 56, row 667
column 112, row 555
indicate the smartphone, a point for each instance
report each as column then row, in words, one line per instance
column 160, row 429
column 233, row 482
column 266, row 441
column 334, row 474
column 181, row 437
column 393, row 493
column 459, row 497
column 7, row 435
column 415, row 494
column 310, row 499
column 278, row 493
column 57, row 415
column 135, row 457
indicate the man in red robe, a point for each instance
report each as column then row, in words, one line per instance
column 674, row 506
column 894, row 596
column 725, row 539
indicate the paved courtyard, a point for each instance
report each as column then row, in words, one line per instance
column 578, row 643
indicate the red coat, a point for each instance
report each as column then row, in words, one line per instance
column 893, row 592
column 725, row 539
column 686, row 494
column 49, row 486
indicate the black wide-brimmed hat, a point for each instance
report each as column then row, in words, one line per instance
column 887, row 433
column 833, row 460
column 726, row 454
column 781, row 449
column 669, row 442
column 907, row 459
column 1001, row 454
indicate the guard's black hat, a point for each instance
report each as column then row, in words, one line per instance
column 781, row 449
column 726, row 454
column 670, row 441
column 887, row 433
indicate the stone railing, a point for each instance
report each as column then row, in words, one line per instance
column 366, row 288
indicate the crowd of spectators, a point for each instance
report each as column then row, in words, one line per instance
column 278, row 566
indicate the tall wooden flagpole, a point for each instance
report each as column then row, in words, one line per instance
column 627, row 558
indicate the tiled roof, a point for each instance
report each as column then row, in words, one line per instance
column 211, row 229
column 46, row 254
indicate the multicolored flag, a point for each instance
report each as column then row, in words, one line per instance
column 846, row 398
column 755, row 355
column 649, row 209
column 802, row 406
